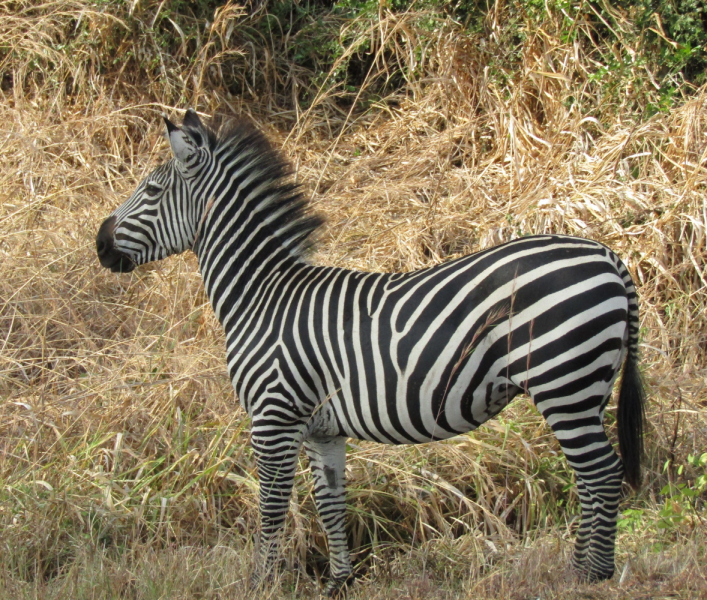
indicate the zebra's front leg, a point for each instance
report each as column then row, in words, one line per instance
column 276, row 449
column 327, row 460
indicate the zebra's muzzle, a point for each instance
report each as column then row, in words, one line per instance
column 108, row 255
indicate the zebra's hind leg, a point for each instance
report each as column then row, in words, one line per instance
column 276, row 449
column 604, row 489
column 328, row 462
column 599, row 476
column 584, row 533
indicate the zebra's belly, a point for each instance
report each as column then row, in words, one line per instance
column 415, row 415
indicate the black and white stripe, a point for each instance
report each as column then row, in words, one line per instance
column 319, row 354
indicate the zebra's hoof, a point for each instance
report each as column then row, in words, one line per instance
column 254, row 583
column 595, row 575
column 338, row 588
column 592, row 574
column 259, row 580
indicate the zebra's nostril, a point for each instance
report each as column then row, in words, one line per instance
column 104, row 239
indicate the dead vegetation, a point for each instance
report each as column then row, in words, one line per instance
column 122, row 450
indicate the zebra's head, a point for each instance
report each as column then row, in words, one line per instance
column 161, row 216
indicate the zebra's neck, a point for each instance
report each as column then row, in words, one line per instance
column 238, row 254
column 252, row 224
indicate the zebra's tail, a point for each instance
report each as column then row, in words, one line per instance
column 631, row 413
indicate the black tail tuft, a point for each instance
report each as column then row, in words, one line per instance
column 630, row 417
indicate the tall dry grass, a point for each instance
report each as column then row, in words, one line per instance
column 125, row 469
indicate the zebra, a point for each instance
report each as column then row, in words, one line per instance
column 317, row 355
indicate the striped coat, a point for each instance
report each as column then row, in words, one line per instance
column 320, row 354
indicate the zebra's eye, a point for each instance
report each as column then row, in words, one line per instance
column 152, row 190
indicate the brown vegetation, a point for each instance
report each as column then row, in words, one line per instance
column 124, row 462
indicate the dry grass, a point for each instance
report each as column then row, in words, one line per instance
column 124, row 464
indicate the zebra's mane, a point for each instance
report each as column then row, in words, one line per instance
column 239, row 138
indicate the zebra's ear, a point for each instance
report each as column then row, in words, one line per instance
column 192, row 120
column 194, row 127
column 184, row 146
